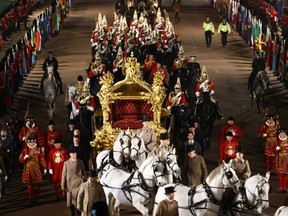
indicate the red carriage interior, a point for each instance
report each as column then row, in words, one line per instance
column 129, row 113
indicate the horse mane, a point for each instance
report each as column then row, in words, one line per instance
column 214, row 172
column 147, row 162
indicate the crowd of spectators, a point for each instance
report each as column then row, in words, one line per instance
column 263, row 25
column 21, row 57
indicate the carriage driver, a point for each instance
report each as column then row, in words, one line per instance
column 51, row 61
column 205, row 85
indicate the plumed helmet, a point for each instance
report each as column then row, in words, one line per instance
column 80, row 78
column 85, row 87
column 97, row 56
column 181, row 51
column 135, row 15
column 178, row 84
column 120, row 53
column 204, row 75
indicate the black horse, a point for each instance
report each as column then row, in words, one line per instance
column 206, row 113
column 259, row 88
column 85, row 121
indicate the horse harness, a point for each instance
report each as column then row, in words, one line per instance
column 244, row 200
column 192, row 206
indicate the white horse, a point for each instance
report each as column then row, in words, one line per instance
column 114, row 156
column 72, row 96
column 50, row 91
column 282, row 211
column 139, row 154
column 205, row 199
column 255, row 197
column 135, row 189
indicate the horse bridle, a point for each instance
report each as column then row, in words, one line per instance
column 154, row 167
column 138, row 153
column 229, row 176
column 169, row 164
column 122, row 142
column 258, row 200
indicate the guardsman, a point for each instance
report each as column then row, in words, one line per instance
column 268, row 132
column 281, row 160
column 79, row 85
column 97, row 69
column 179, row 70
column 32, row 157
column 159, row 68
column 176, row 98
column 118, row 66
column 51, row 135
column 228, row 148
column 241, row 165
column 230, row 126
column 29, row 130
column 149, row 64
column 57, row 156
column 147, row 133
column 86, row 100
column 205, row 85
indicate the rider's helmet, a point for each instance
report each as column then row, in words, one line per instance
column 119, row 53
column 85, row 88
column 177, row 87
column 204, row 76
column 181, row 53
column 270, row 120
column 282, row 134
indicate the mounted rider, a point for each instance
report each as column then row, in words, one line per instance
column 258, row 64
column 206, row 85
column 149, row 63
column 176, row 97
column 51, row 61
column 179, row 69
column 118, row 64
column 85, row 100
column 97, row 69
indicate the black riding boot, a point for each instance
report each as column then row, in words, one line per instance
column 219, row 114
column 73, row 210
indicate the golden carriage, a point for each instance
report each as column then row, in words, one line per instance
column 125, row 103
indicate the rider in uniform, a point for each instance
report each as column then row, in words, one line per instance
column 79, row 85
column 206, row 85
column 149, row 63
column 179, row 70
column 268, row 132
column 281, row 160
column 85, row 100
column 97, row 69
column 176, row 98
column 51, row 61
column 258, row 64
column 118, row 64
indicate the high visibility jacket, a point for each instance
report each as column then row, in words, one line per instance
column 208, row 26
column 224, row 28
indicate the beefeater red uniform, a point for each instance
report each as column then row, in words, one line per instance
column 269, row 133
column 281, row 160
column 235, row 129
column 32, row 158
column 161, row 69
column 228, row 150
column 51, row 136
column 56, row 160
column 31, row 131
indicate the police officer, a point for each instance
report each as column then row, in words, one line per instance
column 224, row 29
column 209, row 30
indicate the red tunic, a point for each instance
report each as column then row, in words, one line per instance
column 228, row 150
column 149, row 63
column 161, row 69
column 33, row 132
column 270, row 142
column 177, row 64
column 89, row 102
column 31, row 172
column 281, row 160
column 51, row 136
column 99, row 70
column 181, row 99
column 200, row 88
column 234, row 128
column 56, row 160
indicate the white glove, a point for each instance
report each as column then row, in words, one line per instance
column 26, row 156
column 43, row 150
column 278, row 148
column 51, row 171
column 23, row 139
column 45, row 171
column 8, row 150
column 90, row 108
column 115, row 70
column 5, row 178
column 233, row 132
column 169, row 108
column 264, row 135
column 77, row 112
